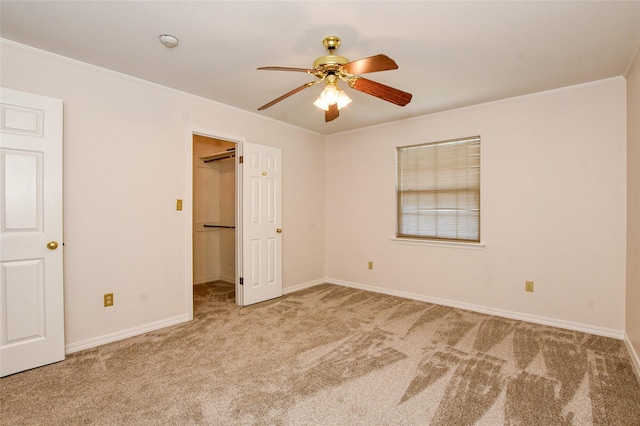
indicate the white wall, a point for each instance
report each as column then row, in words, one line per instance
column 553, row 194
column 633, row 209
column 126, row 147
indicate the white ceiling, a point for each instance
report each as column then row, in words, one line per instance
column 450, row 54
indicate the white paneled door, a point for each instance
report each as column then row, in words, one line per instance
column 31, row 286
column 261, row 269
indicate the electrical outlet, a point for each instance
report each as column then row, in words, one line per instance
column 108, row 299
column 371, row 264
column 528, row 286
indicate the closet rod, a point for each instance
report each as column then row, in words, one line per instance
column 218, row 226
column 230, row 153
column 220, row 158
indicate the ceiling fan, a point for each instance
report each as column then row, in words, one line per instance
column 332, row 68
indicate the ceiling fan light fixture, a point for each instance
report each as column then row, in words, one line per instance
column 343, row 99
column 321, row 104
column 334, row 95
column 330, row 94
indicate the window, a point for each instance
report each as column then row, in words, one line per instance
column 438, row 190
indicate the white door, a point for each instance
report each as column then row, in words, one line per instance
column 31, row 291
column 261, row 240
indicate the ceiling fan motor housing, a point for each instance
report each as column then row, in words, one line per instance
column 330, row 61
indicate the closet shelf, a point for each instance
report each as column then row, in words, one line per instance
column 230, row 153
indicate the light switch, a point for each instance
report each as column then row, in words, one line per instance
column 178, row 204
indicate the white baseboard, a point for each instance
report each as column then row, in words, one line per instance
column 303, row 286
column 227, row 279
column 124, row 334
column 222, row 278
column 635, row 360
column 205, row 280
column 552, row 322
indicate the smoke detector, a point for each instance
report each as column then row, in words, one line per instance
column 168, row 40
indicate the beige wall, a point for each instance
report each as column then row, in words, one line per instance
column 553, row 196
column 633, row 209
column 126, row 154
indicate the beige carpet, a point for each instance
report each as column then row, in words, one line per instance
column 334, row 356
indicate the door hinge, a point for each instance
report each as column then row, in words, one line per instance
column 241, row 159
column 241, row 281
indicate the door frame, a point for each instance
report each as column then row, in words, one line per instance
column 188, row 210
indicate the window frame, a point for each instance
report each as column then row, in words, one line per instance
column 403, row 237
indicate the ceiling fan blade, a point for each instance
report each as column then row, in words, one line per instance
column 332, row 113
column 370, row 64
column 308, row 71
column 381, row 91
column 286, row 95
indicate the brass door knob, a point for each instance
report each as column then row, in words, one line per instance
column 279, row 231
column 52, row 245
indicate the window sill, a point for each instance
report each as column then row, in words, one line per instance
column 436, row 243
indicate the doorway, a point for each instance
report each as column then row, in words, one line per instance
column 234, row 216
column 214, row 214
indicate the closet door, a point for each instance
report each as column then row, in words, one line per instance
column 261, row 240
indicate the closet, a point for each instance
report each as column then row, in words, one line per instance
column 214, row 252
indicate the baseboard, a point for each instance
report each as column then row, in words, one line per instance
column 635, row 360
column 552, row 322
column 227, row 279
column 205, row 280
column 124, row 334
column 222, row 278
column 303, row 286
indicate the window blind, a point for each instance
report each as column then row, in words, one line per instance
column 438, row 190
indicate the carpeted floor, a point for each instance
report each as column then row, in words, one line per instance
column 330, row 355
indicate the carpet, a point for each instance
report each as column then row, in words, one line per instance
column 331, row 355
